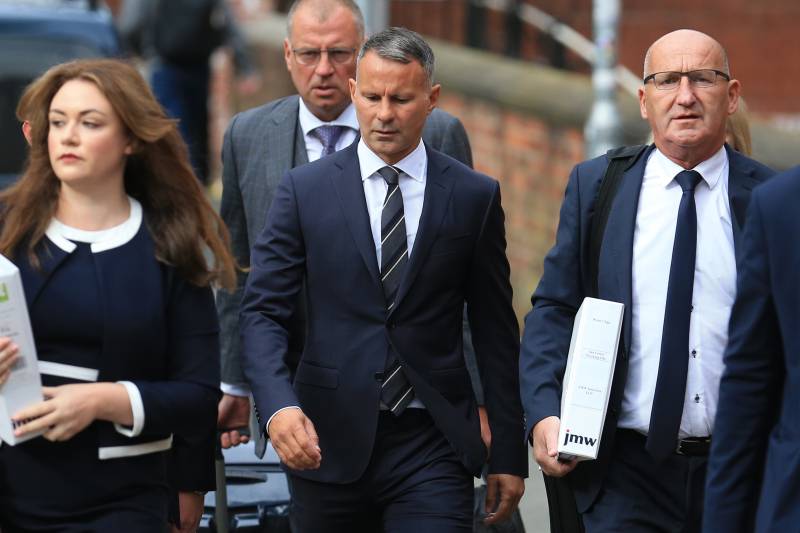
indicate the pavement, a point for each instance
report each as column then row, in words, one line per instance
column 533, row 505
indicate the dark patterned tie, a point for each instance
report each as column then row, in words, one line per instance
column 396, row 391
column 328, row 136
column 665, row 418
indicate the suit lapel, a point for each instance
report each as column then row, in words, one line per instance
column 616, row 255
column 347, row 183
column 740, row 184
column 438, row 188
column 280, row 136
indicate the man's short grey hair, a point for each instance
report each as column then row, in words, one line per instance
column 402, row 45
column 323, row 10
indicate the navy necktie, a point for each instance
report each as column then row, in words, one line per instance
column 396, row 390
column 665, row 418
column 328, row 136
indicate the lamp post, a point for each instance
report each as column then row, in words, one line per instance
column 376, row 15
column 603, row 129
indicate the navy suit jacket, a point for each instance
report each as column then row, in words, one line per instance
column 318, row 234
column 161, row 333
column 755, row 453
column 565, row 282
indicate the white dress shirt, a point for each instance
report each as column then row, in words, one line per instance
column 712, row 297
column 412, row 186
column 309, row 121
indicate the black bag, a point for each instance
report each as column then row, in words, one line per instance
column 186, row 32
column 564, row 515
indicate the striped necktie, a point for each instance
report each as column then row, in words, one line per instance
column 396, row 391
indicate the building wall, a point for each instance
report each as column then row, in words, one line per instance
column 757, row 36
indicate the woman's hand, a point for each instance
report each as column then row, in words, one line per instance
column 9, row 352
column 68, row 409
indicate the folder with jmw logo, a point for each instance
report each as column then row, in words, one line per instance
column 587, row 381
column 24, row 385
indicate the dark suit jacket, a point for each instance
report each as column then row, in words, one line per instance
column 260, row 145
column 318, row 232
column 161, row 333
column 564, row 284
column 755, row 453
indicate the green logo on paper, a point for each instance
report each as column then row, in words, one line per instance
column 3, row 293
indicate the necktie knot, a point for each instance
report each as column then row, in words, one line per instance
column 688, row 180
column 389, row 174
column 328, row 136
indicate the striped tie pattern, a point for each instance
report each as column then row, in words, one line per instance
column 396, row 391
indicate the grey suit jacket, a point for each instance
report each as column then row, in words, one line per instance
column 260, row 146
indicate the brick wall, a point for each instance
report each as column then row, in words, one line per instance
column 757, row 35
column 532, row 160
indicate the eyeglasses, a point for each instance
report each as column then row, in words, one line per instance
column 667, row 81
column 311, row 56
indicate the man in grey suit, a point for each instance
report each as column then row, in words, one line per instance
column 263, row 143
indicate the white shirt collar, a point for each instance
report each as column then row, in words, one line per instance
column 711, row 169
column 63, row 236
column 309, row 121
column 415, row 164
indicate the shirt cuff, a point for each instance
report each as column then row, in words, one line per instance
column 266, row 428
column 137, row 408
column 234, row 390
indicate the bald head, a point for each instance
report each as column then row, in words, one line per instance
column 322, row 10
column 683, row 42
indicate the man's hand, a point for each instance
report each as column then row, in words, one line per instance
column 545, row 448
column 294, row 438
column 486, row 431
column 503, row 492
column 234, row 415
column 190, row 508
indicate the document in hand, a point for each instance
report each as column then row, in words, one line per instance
column 24, row 385
column 587, row 381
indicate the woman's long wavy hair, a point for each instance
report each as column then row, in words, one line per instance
column 158, row 174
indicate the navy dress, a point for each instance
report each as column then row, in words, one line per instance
column 108, row 477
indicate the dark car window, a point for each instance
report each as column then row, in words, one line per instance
column 21, row 61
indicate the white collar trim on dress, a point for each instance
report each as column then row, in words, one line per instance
column 101, row 240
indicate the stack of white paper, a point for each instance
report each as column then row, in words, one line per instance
column 24, row 385
column 587, row 381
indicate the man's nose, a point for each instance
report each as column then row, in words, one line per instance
column 686, row 95
column 385, row 110
column 324, row 66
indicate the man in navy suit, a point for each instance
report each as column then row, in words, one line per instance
column 753, row 470
column 669, row 254
column 379, row 429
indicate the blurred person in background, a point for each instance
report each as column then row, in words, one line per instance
column 177, row 37
column 111, row 231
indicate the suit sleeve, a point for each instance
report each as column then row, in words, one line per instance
column 270, row 299
column 228, row 304
column 495, row 334
column 548, row 326
column 749, row 389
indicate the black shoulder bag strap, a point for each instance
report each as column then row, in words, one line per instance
column 619, row 160
column 564, row 516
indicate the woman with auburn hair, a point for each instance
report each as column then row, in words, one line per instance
column 117, row 247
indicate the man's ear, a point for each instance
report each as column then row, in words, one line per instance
column 287, row 54
column 433, row 97
column 642, row 103
column 734, row 89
